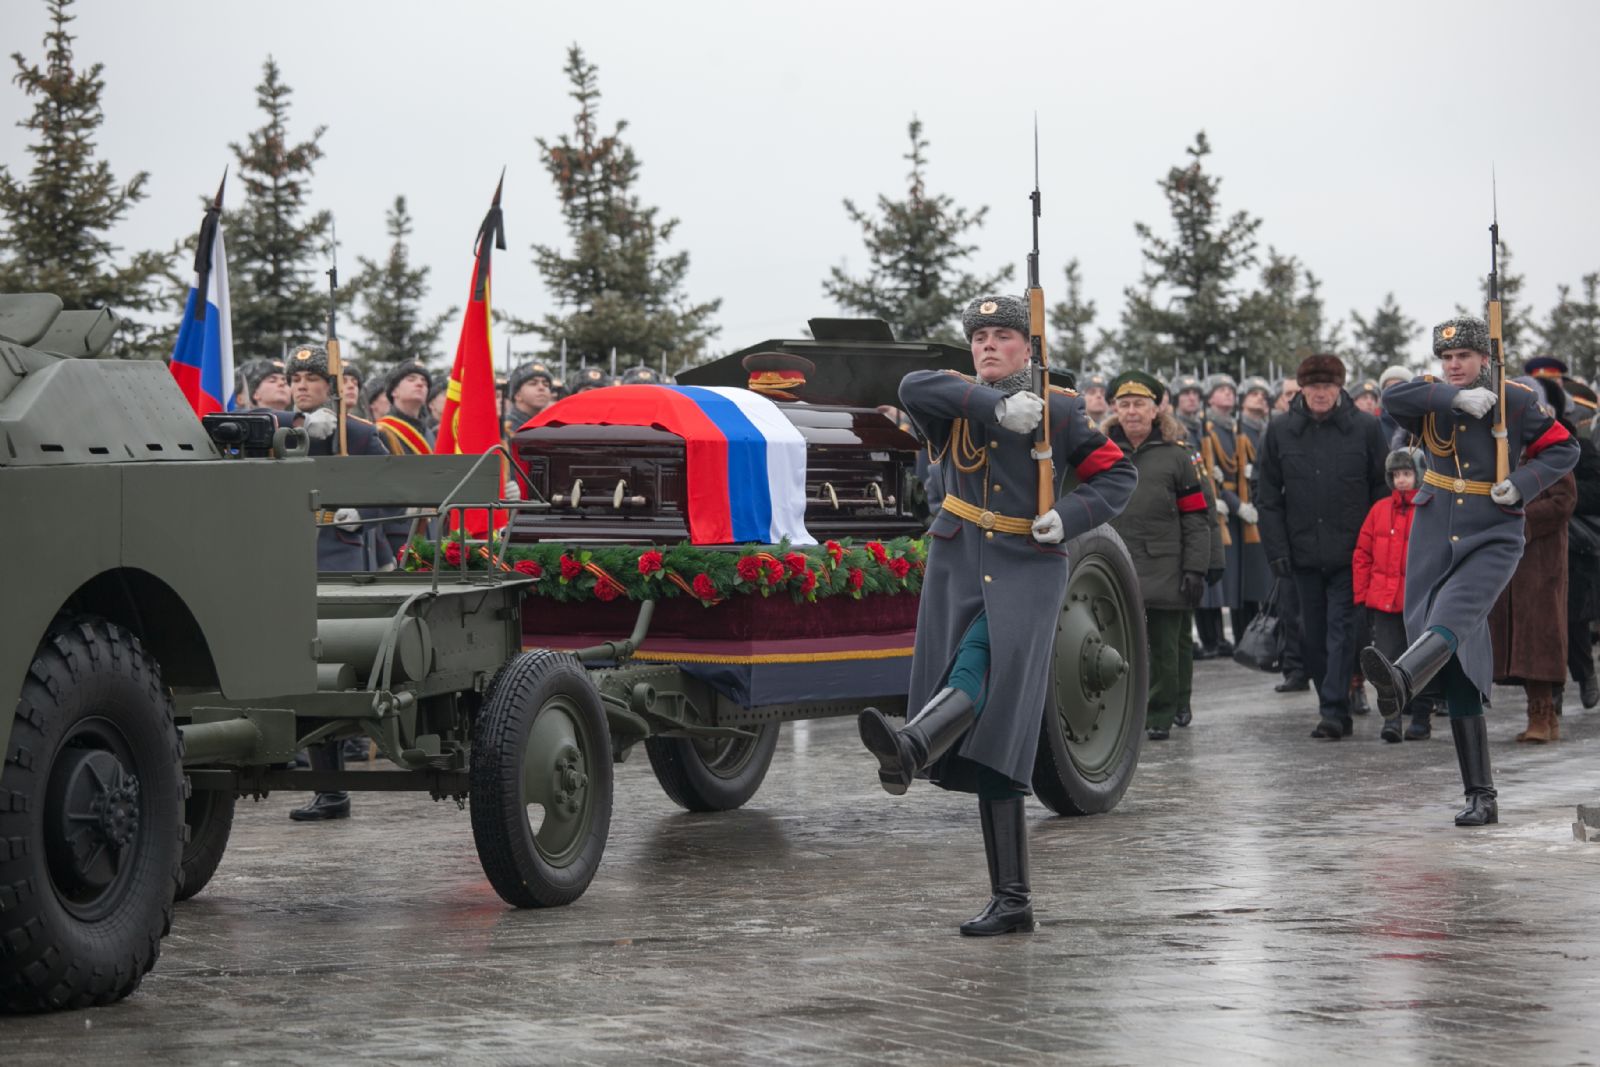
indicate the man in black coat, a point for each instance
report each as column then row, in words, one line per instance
column 1320, row 470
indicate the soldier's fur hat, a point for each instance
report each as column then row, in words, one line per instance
column 641, row 375
column 1463, row 331
column 1136, row 383
column 1008, row 311
column 1217, row 381
column 310, row 358
column 351, row 369
column 1185, row 383
column 404, row 371
column 257, row 371
column 1366, row 386
column 1255, row 384
column 590, row 378
column 1094, row 380
column 527, row 373
column 1324, row 368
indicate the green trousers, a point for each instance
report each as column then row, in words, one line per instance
column 1171, row 664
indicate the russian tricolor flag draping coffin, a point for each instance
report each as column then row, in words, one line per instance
column 202, row 358
column 745, row 463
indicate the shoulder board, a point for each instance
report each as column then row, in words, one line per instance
column 1061, row 390
column 1519, row 385
column 963, row 377
column 356, row 419
column 1429, row 378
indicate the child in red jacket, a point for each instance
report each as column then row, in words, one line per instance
column 1379, row 570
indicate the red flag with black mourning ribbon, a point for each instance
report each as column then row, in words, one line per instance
column 470, row 422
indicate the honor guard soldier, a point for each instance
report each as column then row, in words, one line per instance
column 351, row 379
column 1466, row 538
column 1219, row 453
column 1167, row 528
column 1186, row 405
column 639, row 375
column 1093, row 391
column 530, row 390
column 994, row 582
column 405, row 425
column 589, row 378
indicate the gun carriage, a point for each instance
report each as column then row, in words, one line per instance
column 170, row 645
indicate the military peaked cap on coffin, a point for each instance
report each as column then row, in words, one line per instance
column 1545, row 367
column 310, row 359
column 1217, row 381
column 777, row 373
column 404, row 371
column 640, row 375
column 1463, row 331
column 1010, row 312
column 1136, row 383
column 527, row 373
column 1320, row 369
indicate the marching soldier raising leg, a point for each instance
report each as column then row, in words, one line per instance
column 1466, row 538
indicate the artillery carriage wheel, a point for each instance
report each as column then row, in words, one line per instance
column 713, row 773
column 541, row 781
column 1099, row 681
column 91, row 822
column 209, row 816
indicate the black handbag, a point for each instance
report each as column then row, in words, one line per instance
column 1261, row 646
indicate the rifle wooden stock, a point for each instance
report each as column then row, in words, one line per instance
column 1244, row 456
column 1208, row 456
column 336, row 373
column 1497, row 356
column 1041, row 448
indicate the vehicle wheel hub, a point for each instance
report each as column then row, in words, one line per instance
column 95, row 810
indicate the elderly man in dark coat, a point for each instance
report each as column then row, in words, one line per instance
column 1320, row 471
column 1466, row 538
column 1167, row 528
column 996, row 575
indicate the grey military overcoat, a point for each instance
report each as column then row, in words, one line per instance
column 1464, row 547
column 1017, row 581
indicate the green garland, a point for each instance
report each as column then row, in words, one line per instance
column 569, row 573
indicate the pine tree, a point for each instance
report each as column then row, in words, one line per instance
column 617, row 287
column 1186, row 307
column 1071, row 318
column 389, row 297
column 275, row 252
column 914, row 248
column 1572, row 332
column 1387, row 336
column 58, row 221
column 1283, row 321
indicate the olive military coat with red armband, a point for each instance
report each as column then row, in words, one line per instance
column 1465, row 547
column 1018, row 582
column 1168, row 524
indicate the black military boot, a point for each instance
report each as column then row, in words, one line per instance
column 1420, row 728
column 902, row 753
column 1392, row 731
column 1185, row 715
column 1398, row 682
column 328, row 756
column 1589, row 688
column 1294, row 682
column 1005, row 845
column 1472, row 753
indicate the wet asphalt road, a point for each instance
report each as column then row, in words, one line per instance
column 1257, row 897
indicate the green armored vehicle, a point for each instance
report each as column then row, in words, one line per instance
column 169, row 646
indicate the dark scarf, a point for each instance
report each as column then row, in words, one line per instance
column 1013, row 383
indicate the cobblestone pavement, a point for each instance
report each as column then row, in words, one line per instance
column 1257, row 897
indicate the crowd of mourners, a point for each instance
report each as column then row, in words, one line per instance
column 1308, row 491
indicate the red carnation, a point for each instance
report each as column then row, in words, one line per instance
column 856, row 578
column 570, row 568
column 530, row 567
column 796, row 563
column 774, row 571
column 808, row 582
column 606, row 589
column 703, row 587
column 835, row 549
column 899, row 568
column 878, row 552
column 452, row 553
column 749, row 569
column 649, row 562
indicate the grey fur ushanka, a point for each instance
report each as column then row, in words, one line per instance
column 1017, row 581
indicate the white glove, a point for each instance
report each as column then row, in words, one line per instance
column 1216, row 473
column 321, row 424
column 1047, row 529
column 1249, row 472
column 1222, row 507
column 1247, row 512
column 513, row 489
column 1020, row 412
column 1474, row 402
column 347, row 519
column 1504, row 493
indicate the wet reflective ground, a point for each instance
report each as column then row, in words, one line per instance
column 1258, row 897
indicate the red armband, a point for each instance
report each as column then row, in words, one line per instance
column 1553, row 436
column 1101, row 459
column 1193, row 500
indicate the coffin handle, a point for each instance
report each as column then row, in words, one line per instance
column 577, row 491
column 616, row 495
column 827, row 487
column 877, row 491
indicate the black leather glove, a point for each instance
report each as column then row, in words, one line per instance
column 1214, row 576
column 1191, row 587
column 1282, row 568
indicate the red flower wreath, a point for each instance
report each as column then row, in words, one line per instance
column 703, row 587
column 570, row 568
column 649, row 562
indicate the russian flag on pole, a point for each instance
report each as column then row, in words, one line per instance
column 746, row 463
column 202, row 359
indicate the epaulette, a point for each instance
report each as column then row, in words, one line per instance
column 1429, row 378
column 357, row 418
column 963, row 377
column 1062, row 390
column 1519, row 385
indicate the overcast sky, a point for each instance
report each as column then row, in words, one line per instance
column 1362, row 133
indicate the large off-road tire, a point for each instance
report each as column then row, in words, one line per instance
column 713, row 773
column 541, row 781
column 91, row 822
column 209, row 815
column 1099, row 681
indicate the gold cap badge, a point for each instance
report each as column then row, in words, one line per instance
column 1448, row 332
column 988, row 307
column 304, row 353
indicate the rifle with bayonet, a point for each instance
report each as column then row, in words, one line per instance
column 335, row 364
column 1497, row 353
column 1039, row 359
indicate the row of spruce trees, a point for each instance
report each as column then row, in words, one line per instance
column 1208, row 296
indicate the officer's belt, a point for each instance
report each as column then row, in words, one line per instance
column 1457, row 485
column 325, row 517
column 987, row 520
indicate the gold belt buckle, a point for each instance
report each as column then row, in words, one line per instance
column 1459, row 485
column 986, row 520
